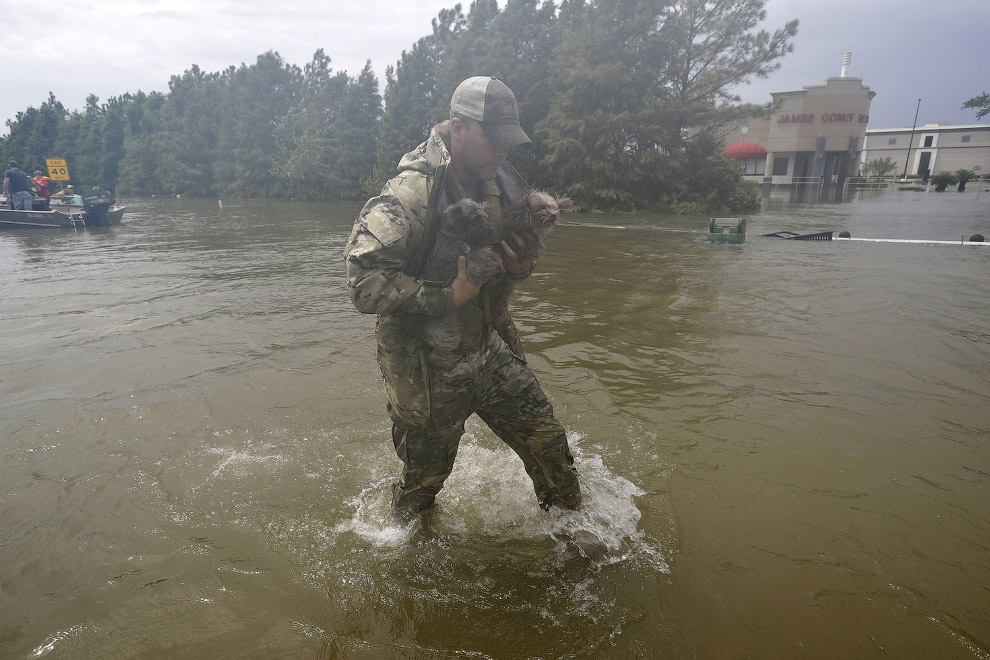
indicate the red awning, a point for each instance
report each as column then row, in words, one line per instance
column 743, row 150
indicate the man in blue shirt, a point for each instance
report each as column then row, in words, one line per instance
column 17, row 187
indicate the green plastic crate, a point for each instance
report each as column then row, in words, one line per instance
column 727, row 230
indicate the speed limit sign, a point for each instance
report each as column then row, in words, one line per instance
column 57, row 169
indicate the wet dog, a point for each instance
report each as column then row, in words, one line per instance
column 464, row 231
column 531, row 218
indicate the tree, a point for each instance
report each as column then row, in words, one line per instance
column 520, row 41
column 139, row 162
column 326, row 143
column 715, row 49
column 354, row 134
column 304, row 155
column 250, row 100
column 981, row 103
column 139, row 165
column 636, row 81
column 187, row 137
column 880, row 166
column 943, row 179
column 33, row 134
column 962, row 176
column 410, row 93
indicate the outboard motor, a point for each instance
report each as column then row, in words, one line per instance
column 97, row 204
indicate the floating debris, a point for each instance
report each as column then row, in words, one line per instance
column 727, row 230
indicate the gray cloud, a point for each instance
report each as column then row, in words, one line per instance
column 902, row 49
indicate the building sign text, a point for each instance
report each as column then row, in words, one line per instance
column 826, row 118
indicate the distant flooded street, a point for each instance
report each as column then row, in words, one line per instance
column 785, row 446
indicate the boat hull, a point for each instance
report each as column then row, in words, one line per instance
column 78, row 216
column 11, row 219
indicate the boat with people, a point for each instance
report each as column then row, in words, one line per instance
column 53, row 219
column 93, row 208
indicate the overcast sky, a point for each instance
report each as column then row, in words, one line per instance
column 902, row 49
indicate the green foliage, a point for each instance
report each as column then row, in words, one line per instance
column 964, row 175
column 943, row 179
column 880, row 166
column 631, row 78
column 33, row 135
column 249, row 101
column 410, row 94
column 981, row 103
column 623, row 99
column 327, row 141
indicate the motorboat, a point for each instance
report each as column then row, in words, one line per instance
column 11, row 219
column 98, row 208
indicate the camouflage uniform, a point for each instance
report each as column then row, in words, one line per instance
column 428, row 407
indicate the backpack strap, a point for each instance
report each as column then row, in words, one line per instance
column 436, row 205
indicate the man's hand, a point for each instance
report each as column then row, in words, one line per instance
column 464, row 289
column 511, row 260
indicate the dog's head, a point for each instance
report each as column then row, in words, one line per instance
column 467, row 220
column 542, row 210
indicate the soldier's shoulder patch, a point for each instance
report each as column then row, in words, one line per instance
column 384, row 226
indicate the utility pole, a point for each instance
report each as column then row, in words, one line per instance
column 911, row 141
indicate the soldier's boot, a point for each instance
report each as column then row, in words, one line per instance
column 410, row 500
column 554, row 476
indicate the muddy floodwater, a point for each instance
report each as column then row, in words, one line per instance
column 784, row 446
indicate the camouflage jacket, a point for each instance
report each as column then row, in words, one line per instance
column 393, row 228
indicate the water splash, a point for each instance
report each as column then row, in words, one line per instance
column 489, row 496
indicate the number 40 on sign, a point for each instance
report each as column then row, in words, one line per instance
column 57, row 169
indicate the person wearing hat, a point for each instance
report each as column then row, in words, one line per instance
column 66, row 194
column 464, row 156
column 17, row 188
column 40, row 183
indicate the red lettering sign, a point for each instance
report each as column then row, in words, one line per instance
column 826, row 118
column 802, row 118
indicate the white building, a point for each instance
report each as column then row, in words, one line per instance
column 817, row 137
column 932, row 147
column 814, row 136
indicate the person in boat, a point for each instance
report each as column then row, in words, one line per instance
column 17, row 188
column 69, row 196
column 40, row 183
column 464, row 157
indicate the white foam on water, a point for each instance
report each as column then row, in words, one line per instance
column 373, row 519
column 53, row 640
column 490, row 495
column 240, row 461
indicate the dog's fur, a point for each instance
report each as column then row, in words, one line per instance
column 464, row 231
column 532, row 218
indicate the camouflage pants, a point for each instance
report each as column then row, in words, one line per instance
column 429, row 408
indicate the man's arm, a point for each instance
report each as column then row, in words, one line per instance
column 376, row 254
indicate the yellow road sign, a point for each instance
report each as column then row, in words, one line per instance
column 57, row 169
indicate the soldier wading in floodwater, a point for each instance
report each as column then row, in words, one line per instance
column 463, row 157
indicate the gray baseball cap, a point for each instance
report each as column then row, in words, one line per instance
column 491, row 102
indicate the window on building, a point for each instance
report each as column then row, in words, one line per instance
column 965, row 138
column 780, row 166
column 928, row 140
column 755, row 166
column 892, row 141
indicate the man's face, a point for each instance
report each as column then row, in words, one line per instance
column 476, row 157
